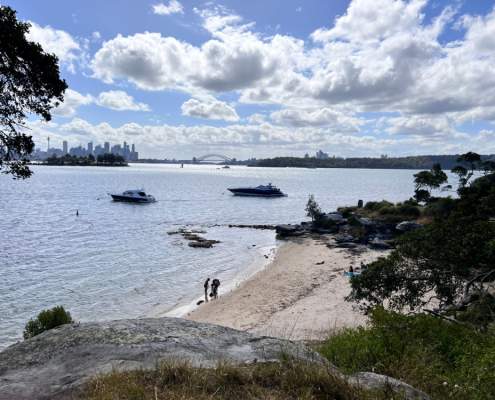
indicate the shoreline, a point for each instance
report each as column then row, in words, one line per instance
column 299, row 295
column 183, row 307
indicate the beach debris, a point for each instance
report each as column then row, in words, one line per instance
column 320, row 263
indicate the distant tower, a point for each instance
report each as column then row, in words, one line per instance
column 107, row 147
column 48, row 148
column 65, row 146
column 133, row 148
column 90, row 148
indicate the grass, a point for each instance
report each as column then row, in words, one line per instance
column 274, row 381
column 445, row 360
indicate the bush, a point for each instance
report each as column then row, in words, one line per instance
column 441, row 208
column 46, row 320
column 377, row 205
column 446, row 360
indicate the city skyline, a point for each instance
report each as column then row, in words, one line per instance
column 125, row 150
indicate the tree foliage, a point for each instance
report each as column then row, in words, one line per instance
column 426, row 181
column 29, row 84
column 47, row 319
column 313, row 210
column 448, row 264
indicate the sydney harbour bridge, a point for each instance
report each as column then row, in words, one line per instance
column 212, row 158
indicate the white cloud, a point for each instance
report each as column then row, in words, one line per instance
column 234, row 60
column 209, row 108
column 317, row 117
column 380, row 56
column 120, row 101
column 56, row 41
column 421, row 126
column 173, row 7
column 256, row 119
column 72, row 100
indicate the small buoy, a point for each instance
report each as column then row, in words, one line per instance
column 77, row 213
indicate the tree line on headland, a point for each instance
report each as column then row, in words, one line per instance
column 410, row 162
column 105, row 160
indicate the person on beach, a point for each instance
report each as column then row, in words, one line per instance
column 214, row 288
column 206, row 286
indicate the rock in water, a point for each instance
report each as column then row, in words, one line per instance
column 52, row 364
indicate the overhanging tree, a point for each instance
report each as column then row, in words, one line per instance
column 29, row 84
column 446, row 267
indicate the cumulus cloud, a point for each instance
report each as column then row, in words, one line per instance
column 379, row 56
column 173, row 7
column 113, row 99
column 72, row 100
column 120, row 101
column 209, row 109
column 317, row 117
column 56, row 41
column 235, row 59
column 421, row 126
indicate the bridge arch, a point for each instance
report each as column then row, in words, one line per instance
column 213, row 158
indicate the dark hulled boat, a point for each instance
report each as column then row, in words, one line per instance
column 258, row 191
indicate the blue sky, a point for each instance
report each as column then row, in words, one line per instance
column 265, row 78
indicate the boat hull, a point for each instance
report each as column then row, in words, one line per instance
column 128, row 199
column 254, row 193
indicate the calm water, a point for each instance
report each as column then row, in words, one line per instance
column 116, row 260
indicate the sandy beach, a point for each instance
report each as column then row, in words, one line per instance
column 299, row 295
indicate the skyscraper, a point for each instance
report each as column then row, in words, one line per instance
column 106, row 147
column 90, row 148
column 65, row 147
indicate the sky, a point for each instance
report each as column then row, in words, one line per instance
column 271, row 78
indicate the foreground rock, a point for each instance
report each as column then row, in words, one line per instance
column 370, row 380
column 50, row 365
column 55, row 364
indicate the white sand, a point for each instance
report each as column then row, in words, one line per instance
column 293, row 297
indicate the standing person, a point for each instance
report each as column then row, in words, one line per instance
column 206, row 286
column 214, row 288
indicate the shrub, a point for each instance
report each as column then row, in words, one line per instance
column 446, row 360
column 47, row 319
column 377, row 205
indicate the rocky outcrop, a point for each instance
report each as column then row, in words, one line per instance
column 50, row 365
column 370, row 380
column 194, row 240
column 56, row 363
column 407, row 226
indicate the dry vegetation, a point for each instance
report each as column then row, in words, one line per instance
column 274, row 381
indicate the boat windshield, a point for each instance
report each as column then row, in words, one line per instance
column 142, row 194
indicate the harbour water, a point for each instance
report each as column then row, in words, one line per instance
column 116, row 260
